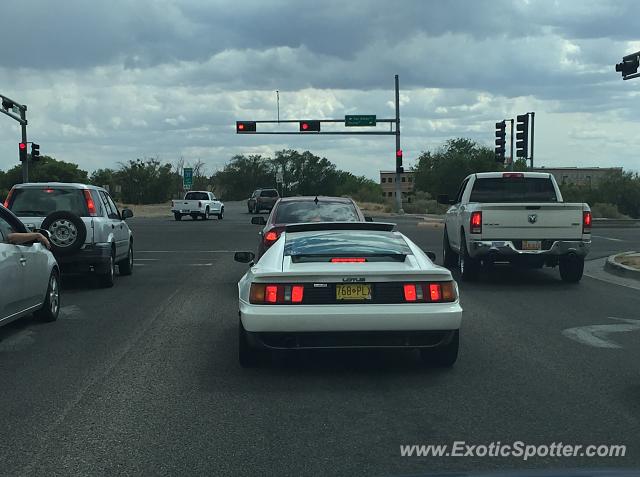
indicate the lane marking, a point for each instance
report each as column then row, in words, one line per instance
column 200, row 264
column 147, row 259
column 608, row 238
column 596, row 335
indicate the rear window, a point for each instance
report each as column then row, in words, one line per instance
column 269, row 193
column 513, row 189
column 36, row 202
column 196, row 196
column 309, row 211
column 345, row 243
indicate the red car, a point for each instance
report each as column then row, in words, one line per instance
column 293, row 210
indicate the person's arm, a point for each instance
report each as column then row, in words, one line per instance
column 18, row 238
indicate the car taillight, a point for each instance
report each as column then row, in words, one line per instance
column 267, row 294
column 438, row 292
column 270, row 237
column 8, row 199
column 476, row 222
column 348, row 260
column 586, row 222
column 91, row 206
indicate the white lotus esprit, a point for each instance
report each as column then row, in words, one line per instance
column 347, row 285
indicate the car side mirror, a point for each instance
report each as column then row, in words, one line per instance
column 258, row 220
column 444, row 199
column 127, row 214
column 368, row 219
column 244, row 257
column 431, row 255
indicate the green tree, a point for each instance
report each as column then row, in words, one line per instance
column 242, row 175
column 520, row 165
column 442, row 171
column 47, row 169
column 145, row 181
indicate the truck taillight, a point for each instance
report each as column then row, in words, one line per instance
column 91, row 205
column 272, row 294
column 8, row 199
column 437, row 292
column 476, row 222
column 586, row 222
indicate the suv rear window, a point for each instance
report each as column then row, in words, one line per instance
column 40, row 202
column 196, row 196
column 513, row 189
column 292, row 212
column 269, row 193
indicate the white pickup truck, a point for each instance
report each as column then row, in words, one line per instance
column 516, row 217
column 197, row 204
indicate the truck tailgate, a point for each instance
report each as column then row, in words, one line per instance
column 532, row 221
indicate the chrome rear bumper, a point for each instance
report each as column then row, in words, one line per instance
column 507, row 248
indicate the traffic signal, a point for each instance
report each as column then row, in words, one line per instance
column 310, row 126
column 22, row 148
column 501, row 134
column 522, row 135
column 35, row 151
column 399, row 167
column 628, row 67
column 7, row 104
column 245, row 126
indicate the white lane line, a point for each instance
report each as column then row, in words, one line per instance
column 146, row 259
column 185, row 251
column 596, row 335
column 608, row 238
column 200, row 264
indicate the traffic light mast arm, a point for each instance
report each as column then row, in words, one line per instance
column 11, row 103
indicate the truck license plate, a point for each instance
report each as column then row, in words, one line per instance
column 353, row 292
column 531, row 245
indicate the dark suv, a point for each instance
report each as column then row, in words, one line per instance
column 262, row 199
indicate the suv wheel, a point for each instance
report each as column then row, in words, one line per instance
column 221, row 214
column 51, row 307
column 107, row 279
column 67, row 232
column 125, row 267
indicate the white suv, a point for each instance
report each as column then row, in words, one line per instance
column 88, row 232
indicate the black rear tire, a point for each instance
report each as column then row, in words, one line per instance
column 107, row 279
column 247, row 356
column 449, row 258
column 67, row 231
column 177, row 216
column 467, row 266
column 571, row 269
column 51, row 306
column 443, row 356
column 125, row 267
column 221, row 214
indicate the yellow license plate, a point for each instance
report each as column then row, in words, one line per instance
column 353, row 292
column 531, row 245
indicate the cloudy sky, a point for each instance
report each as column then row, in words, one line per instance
column 109, row 81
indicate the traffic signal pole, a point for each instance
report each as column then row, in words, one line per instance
column 398, row 188
column 532, row 123
column 25, row 163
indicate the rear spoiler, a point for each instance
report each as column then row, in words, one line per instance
column 320, row 226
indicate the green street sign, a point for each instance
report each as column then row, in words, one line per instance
column 360, row 120
column 187, row 177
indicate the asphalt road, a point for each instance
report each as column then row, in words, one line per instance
column 143, row 378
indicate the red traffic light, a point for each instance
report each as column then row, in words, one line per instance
column 399, row 153
column 309, row 126
column 23, row 146
column 245, row 126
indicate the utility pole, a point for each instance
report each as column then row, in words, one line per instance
column 398, row 149
column 278, row 103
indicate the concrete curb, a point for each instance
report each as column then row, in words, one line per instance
column 611, row 266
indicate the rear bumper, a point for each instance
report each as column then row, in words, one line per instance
column 506, row 248
column 90, row 258
column 350, row 339
column 350, row 318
